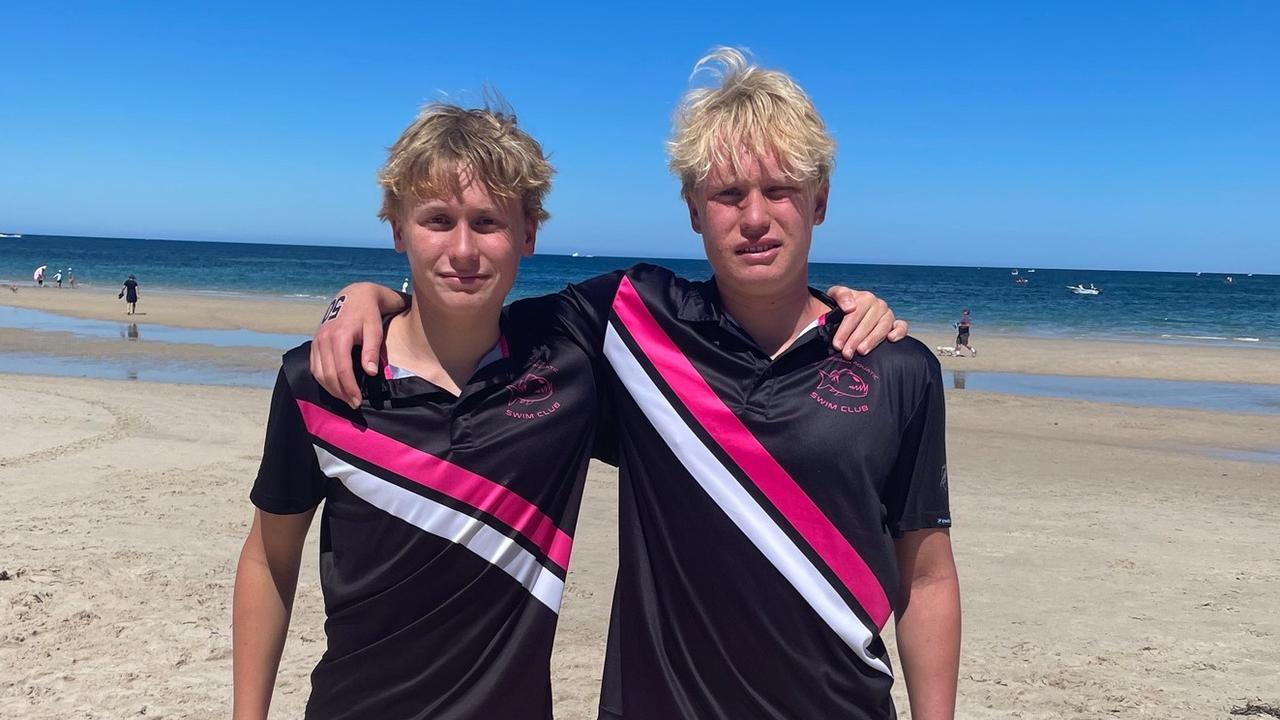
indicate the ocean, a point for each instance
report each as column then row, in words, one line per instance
column 1144, row 306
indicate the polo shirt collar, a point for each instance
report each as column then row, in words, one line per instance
column 703, row 304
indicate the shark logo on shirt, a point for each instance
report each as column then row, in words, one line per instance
column 530, row 389
column 844, row 383
column 532, row 394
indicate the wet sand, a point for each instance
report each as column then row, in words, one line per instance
column 997, row 353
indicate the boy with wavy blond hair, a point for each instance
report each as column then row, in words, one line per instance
column 442, row 563
column 782, row 501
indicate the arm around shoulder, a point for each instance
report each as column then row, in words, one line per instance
column 353, row 318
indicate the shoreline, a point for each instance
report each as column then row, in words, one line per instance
column 1004, row 353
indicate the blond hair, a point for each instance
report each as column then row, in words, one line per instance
column 763, row 112
column 447, row 146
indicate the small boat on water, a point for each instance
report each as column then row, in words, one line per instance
column 1015, row 272
column 10, row 235
column 1080, row 289
column 1032, row 270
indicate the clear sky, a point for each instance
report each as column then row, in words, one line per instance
column 1140, row 135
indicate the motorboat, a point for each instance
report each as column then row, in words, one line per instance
column 1079, row 289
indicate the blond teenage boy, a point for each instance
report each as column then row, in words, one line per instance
column 442, row 562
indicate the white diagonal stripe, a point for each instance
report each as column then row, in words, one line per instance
column 443, row 521
column 738, row 504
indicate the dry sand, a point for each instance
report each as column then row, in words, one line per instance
column 1111, row 566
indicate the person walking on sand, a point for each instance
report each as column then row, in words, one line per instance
column 962, row 334
column 130, row 293
column 57, row 277
column 71, row 277
column 38, row 275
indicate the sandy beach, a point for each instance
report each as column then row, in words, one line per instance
column 1114, row 562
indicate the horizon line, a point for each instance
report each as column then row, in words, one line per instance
column 18, row 235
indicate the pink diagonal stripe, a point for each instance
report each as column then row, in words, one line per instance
column 732, row 435
column 442, row 476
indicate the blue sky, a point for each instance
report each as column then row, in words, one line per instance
column 1067, row 134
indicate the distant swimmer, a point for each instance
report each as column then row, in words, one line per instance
column 404, row 286
column 129, row 292
column 962, row 334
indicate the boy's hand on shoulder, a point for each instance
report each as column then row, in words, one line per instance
column 353, row 318
column 867, row 322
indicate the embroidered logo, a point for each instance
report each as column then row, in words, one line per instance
column 531, row 396
column 842, row 383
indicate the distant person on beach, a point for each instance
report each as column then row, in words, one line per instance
column 442, row 562
column 130, row 293
column 751, row 527
column 57, row 277
column 963, row 326
column 404, row 286
column 38, row 275
column 71, row 277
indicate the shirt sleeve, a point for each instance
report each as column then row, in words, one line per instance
column 289, row 479
column 581, row 312
column 918, row 497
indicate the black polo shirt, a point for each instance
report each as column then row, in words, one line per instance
column 447, row 523
column 760, row 499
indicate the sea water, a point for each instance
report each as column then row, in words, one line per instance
column 1145, row 306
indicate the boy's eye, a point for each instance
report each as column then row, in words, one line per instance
column 778, row 192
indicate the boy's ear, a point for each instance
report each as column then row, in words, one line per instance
column 396, row 229
column 695, row 219
column 530, row 236
column 820, row 203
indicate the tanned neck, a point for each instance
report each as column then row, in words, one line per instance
column 441, row 348
column 773, row 321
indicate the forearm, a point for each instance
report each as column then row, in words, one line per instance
column 928, row 634
column 260, row 621
column 388, row 301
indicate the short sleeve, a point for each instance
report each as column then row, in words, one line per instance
column 583, row 310
column 918, row 496
column 580, row 312
column 289, row 478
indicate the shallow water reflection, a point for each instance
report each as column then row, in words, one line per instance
column 1227, row 397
